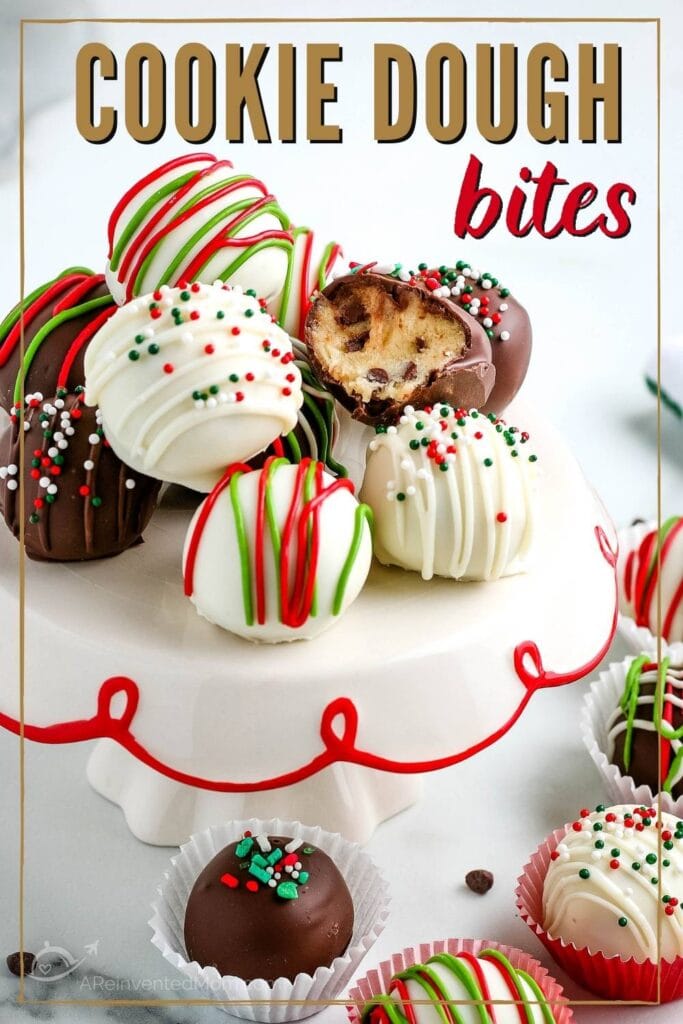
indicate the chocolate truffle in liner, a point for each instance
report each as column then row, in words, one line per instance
column 646, row 728
column 380, row 343
column 268, row 907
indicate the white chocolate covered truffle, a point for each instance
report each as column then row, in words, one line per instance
column 191, row 379
column 277, row 553
column 602, row 887
column 452, row 494
column 197, row 218
column 654, row 567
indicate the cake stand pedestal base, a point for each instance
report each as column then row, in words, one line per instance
column 343, row 798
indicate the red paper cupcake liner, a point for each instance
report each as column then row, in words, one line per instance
column 607, row 976
column 375, row 982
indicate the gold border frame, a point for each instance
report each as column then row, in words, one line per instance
column 22, row 1000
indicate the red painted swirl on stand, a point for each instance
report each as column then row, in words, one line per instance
column 528, row 650
column 338, row 726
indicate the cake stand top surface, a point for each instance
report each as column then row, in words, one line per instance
column 414, row 676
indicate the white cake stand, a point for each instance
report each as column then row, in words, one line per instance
column 198, row 726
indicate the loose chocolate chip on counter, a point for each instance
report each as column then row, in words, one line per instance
column 378, row 375
column 479, row 881
column 14, row 963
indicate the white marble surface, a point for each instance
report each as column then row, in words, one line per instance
column 593, row 306
column 88, row 880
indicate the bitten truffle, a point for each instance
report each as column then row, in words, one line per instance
column 482, row 296
column 268, row 907
column 379, row 344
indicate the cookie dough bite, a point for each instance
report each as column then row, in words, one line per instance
column 192, row 379
column 452, row 493
column 481, row 989
column 601, row 889
column 58, row 319
column 380, row 343
column 268, row 907
column 657, row 562
column 196, row 217
column 645, row 730
column 278, row 553
column 80, row 502
column 505, row 320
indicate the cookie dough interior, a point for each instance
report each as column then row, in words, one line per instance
column 381, row 343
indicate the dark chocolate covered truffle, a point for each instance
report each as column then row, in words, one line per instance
column 80, row 501
column 268, row 907
column 380, row 343
column 483, row 297
column 646, row 729
column 59, row 319
column 503, row 317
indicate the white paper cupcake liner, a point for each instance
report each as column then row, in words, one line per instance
column 259, row 1000
column 377, row 981
column 638, row 639
column 598, row 705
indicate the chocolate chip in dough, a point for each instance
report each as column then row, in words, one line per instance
column 357, row 344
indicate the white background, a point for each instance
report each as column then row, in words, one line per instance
column 593, row 306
